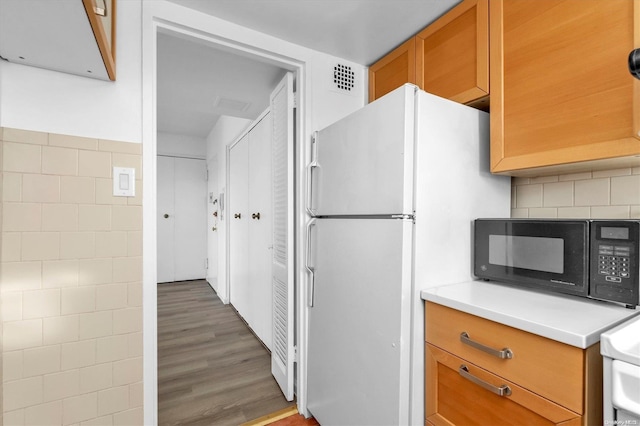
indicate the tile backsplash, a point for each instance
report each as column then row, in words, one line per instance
column 610, row 194
column 70, row 281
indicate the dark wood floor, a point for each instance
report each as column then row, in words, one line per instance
column 211, row 369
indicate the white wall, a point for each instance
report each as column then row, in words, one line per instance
column 50, row 101
column 226, row 131
column 173, row 145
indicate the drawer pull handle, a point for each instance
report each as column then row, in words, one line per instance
column 505, row 353
column 503, row 390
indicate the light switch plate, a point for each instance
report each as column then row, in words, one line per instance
column 124, row 182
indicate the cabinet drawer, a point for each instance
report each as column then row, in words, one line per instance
column 460, row 400
column 548, row 368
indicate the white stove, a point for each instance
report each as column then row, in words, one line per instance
column 620, row 348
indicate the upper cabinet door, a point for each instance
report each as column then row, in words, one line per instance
column 562, row 96
column 393, row 70
column 452, row 54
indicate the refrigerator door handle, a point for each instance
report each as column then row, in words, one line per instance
column 307, row 264
column 310, row 168
column 312, row 165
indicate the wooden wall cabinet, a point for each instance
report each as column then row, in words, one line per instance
column 452, row 54
column 65, row 36
column 549, row 382
column 448, row 58
column 104, row 30
column 562, row 98
column 393, row 70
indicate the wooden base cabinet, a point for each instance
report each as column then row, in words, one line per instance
column 480, row 372
column 562, row 98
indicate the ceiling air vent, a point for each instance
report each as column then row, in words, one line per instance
column 344, row 79
column 233, row 105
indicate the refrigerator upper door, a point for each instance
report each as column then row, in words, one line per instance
column 359, row 323
column 363, row 164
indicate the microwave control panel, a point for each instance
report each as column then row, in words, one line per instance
column 614, row 261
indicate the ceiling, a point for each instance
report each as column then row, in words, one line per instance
column 197, row 84
column 193, row 75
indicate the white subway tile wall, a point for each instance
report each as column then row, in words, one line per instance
column 70, row 281
column 609, row 194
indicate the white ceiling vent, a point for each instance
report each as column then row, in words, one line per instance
column 230, row 104
column 344, row 79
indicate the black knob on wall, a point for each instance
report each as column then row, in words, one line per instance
column 634, row 63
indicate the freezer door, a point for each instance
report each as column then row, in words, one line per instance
column 363, row 164
column 358, row 353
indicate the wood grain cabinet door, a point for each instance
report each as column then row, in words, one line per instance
column 455, row 398
column 452, row 54
column 393, row 70
column 562, row 98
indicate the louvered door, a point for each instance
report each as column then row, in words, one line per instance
column 282, row 353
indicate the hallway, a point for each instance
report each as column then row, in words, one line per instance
column 211, row 368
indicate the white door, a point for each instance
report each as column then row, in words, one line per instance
column 238, row 217
column 182, row 221
column 259, row 217
column 282, row 116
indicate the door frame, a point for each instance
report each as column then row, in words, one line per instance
column 160, row 16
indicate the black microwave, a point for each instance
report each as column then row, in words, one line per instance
column 598, row 259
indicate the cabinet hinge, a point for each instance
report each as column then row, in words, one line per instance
column 295, row 99
column 206, row 263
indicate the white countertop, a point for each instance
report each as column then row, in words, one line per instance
column 576, row 321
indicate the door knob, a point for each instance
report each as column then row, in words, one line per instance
column 238, row 215
column 166, row 216
column 255, row 216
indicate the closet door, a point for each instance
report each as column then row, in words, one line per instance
column 190, row 236
column 239, row 286
column 182, row 219
column 260, row 218
column 283, row 354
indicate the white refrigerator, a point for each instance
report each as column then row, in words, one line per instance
column 393, row 190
